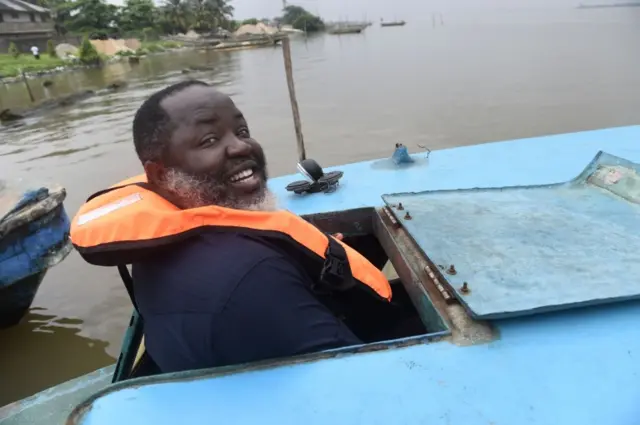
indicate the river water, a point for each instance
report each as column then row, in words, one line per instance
column 477, row 77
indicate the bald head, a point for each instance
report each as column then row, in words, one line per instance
column 151, row 122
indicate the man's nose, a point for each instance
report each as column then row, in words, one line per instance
column 237, row 147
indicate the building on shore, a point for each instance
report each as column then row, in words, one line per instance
column 24, row 23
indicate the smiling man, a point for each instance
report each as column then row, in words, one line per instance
column 210, row 159
column 220, row 276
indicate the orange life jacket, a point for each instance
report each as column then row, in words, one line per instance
column 125, row 223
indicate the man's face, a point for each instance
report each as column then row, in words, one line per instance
column 211, row 158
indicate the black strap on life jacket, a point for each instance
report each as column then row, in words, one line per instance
column 336, row 271
column 128, row 284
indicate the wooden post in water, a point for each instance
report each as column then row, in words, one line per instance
column 26, row 83
column 286, row 52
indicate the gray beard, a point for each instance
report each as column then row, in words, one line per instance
column 195, row 191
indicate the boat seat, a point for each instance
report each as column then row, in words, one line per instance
column 143, row 365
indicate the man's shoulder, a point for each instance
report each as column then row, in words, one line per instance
column 200, row 273
column 216, row 248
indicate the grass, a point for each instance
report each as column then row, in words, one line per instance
column 159, row 46
column 10, row 66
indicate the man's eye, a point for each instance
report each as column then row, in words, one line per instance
column 209, row 140
column 244, row 133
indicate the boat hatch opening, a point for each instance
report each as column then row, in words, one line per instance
column 413, row 313
column 514, row 251
column 415, row 316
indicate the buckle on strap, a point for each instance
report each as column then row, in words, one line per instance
column 336, row 271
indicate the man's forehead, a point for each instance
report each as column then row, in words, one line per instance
column 197, row 98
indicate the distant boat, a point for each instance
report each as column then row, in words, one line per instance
column 34, row 236
column 346, row 29
column 392, row 24
column 603, row 6
column 265, row 41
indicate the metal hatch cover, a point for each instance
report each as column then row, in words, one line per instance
column 529, row 249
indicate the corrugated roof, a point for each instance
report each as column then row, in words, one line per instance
column 21, row 6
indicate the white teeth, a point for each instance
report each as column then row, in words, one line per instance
column 241, row 176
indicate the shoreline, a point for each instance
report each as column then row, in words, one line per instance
column 75, row 66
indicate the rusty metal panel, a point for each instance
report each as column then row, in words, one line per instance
column 521, row 250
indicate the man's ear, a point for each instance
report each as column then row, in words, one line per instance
column 155, row 171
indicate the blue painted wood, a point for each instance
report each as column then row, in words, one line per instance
column 574, row 367
column 52, row 406
column 534, row 161
column 527, row 249
column 34, row 236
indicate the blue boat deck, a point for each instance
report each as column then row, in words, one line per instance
column 524, row 162
column 573, row 367
column 578, row 366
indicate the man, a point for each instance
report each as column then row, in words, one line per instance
column 229, row 294
column 36, row 52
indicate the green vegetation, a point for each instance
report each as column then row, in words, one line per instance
column 51, row 49
column 88, row 54
column 13, row 50
column 10, row 66
column 101, row 19
column 143, row 19
column 301, row 19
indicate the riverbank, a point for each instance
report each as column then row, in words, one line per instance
column 11, row 67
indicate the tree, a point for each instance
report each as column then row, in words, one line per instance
column 203, row 15
column 89, row 16
column 251, row 21
column 299, row 18
column 13, row 50
column 51, row 49
column 88, row 54
column 221, row 11
column 101, row 19
column 176, row 16
column 137, row 14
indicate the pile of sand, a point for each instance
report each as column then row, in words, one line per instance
column 258, row 29
column 133, row 43
column 110, row 47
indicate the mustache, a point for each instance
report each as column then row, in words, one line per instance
column 255, row 162
column 190, row 191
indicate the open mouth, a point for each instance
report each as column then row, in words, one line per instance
column 247, row 180
column 242, row 175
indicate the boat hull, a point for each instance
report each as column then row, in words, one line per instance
column 32, row 240
column 346, row 31
column 16, row 299
column 247, row 44
column 52, row 406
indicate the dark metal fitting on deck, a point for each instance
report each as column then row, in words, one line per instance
column 451, row 270
column 407, row 216
column 400, row 207
column 465, row 288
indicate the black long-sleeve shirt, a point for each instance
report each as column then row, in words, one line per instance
column 222, row 299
